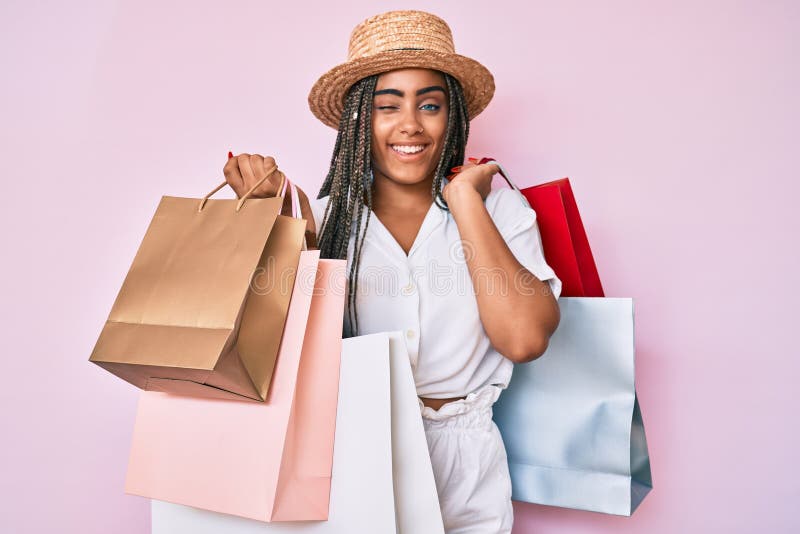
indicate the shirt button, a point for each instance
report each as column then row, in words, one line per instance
column 410, row 333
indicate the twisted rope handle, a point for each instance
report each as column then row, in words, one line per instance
column 281, row 189
column 296, row 212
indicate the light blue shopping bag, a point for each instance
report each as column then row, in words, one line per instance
column 571, row 421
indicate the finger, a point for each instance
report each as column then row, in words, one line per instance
column 257, row 164
column 493, row 167
column 233, row 176
column 261, row 167
column 248, row 177
column 460, row 168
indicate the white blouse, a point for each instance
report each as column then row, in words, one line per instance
column 429, row 293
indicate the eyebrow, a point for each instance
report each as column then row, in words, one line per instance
column 399, row 93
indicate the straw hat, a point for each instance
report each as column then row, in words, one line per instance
column 396, row 40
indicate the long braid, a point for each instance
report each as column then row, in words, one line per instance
column 348, row 182
column 455, row 142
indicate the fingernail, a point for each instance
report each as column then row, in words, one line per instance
column 230, row 155
column 456, row 169
column 473, row 160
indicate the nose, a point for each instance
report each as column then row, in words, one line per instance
column 409, row 121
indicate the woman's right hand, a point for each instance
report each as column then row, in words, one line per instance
column 244, row 171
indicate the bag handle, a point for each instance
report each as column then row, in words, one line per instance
column 297, row 213
column 295, row 199
column 281, row 189
column 507, row 178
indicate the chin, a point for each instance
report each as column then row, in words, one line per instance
column 408, row 175
column 408, row 179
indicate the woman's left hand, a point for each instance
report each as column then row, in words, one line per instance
column 471, row 174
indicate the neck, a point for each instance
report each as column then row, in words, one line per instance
column 388, row 195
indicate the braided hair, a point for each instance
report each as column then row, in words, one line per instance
column 349, row 179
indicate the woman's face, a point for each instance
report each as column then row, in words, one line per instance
column 409, row 122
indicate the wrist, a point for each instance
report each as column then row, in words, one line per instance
column 461, row 195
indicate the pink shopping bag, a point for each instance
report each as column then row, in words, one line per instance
column 268, row 461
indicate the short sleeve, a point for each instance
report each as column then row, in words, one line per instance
column 517, row 223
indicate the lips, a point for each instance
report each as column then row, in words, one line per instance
column 407, row 152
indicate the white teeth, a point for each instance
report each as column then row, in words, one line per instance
column 408, row 149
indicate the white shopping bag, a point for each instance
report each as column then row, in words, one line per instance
column 415, row 497
column 382, row 477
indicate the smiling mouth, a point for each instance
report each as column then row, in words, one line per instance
column 408, row 150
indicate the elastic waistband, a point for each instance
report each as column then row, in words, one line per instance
column 474, row 411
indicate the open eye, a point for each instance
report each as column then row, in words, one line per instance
column 431, row 107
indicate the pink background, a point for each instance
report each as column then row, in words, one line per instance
column 673, row 120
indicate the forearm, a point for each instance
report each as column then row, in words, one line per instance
column 518, row 311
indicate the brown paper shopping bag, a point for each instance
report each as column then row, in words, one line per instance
column 202, row 309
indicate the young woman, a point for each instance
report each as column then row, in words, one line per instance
column 431, row 249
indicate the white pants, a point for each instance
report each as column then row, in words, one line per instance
column 470, row 464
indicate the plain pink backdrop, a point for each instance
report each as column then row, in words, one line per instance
column 675, row 121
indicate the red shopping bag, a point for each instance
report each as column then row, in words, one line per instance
column 564, row 239
column 566, row 247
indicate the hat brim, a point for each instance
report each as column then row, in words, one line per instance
column 326, row 98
